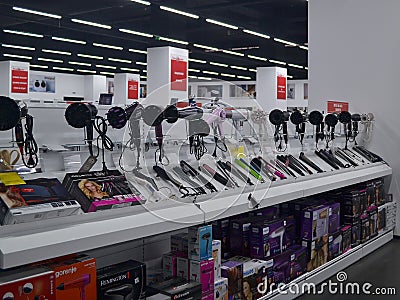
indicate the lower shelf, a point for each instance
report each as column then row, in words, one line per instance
column 331, row 268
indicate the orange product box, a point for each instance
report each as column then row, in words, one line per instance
column 27, row 283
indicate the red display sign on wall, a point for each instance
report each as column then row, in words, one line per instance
column 281, row 87
column 337, row 106
column 178, row 74
column 133, row 90
column 19, row 81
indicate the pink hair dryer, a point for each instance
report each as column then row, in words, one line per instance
column 79, row 283
column 217, row 118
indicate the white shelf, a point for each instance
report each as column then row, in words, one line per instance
column 21, row 244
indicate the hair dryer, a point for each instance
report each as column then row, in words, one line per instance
column 298, row 119
column 331, row 121
column 279, row 119
column 216, row 119
column 317, row 119
column 79, row 283
column 123, row 290
column 206, row 237
column 279, row 232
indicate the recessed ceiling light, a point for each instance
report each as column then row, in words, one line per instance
column 35, row 12
column 239, row 68
column 51, row 60
column 130, row 70
column 306, row 68
column 91, row 23
column 179, row 12
column 138, row 51
column 199, row 61
column 277, row 62
column 284, row 42
column 257, row 57
column 144, row 71
column 136, row 33
column 228, row 75
column 221, row 24
column 106, row 67
column 144, row 77
column 233, row 53
column 211, row 73
column 63, row 69
column 161, row 38
column 194, row 70
column 141, row 63
column 120, row 60
column 190, row 76
column 295, row 66
column 107, row 73
column 244, row 77
column 86, row 71
column 204, row 78
column 218, row 64
column 142, row 2
column 79, row 63
column 256, row 34
column 289, row 76
column 17, row 56
column 39, row 66
column 206, row 47
column 68, row 40
column 56, row 52
column 303, row 47
column 18, row 47
column 108, row 46
column 23, row 33
column 253, row 70
column 90, row 56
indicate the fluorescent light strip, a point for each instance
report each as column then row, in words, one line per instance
column 228, row 75
column 144, row 77
column 130, row 70
column 136, row 33
column 108, row 46
column 257, row 57
column 179, row 12
column 205, row 47
column 77, row 63
column 144, row 71
column 35, row 12
column 51, row 60
column 106, row 67
column 107, row 73
column 197, row 61
column 23, row 33
column 68, row 40
column 277, row 62
column 90, row 56
column 295, row 66
column 141, row 63
column 289, row 76
column 244, row 77
column 190, row 76
column 256, row 34
column 120, row 60
column 218, row 64
column 306, row 68
column 17, row 56
column 142, row 2
column 284, row 42
column 38, row 66
column 211, row 73
column 239, row 68
column 161, row 38
column 91, row 23
column 194, row 70
column 56, row 52
column 253, row 70
column 18, row 47
column 138, row 51
column 303, row 47
column 86, row 71
column 221, row 24
column 233, row 53
column 204, row 78
column 63, row 69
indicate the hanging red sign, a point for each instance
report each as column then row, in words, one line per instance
column 133, row 90
column 337, row 106
column 281, row 87
column 178, row 75
column 19, row 81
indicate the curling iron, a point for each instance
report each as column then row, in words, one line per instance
column 306, row 160
column 178, row 171
column 236, row 172
column 190, row 171
column 217, row 176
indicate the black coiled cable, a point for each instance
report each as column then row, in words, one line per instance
column 100, row 125
column 30, row 159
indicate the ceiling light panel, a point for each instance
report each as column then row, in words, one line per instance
column 161, row 38
column 277, row 62
column 35, row 12
column 38, row 66
column 211, row 73
column 78, row 63
column 218, row 64
column 130, row 70
column 257, row 57
column 108, row 46
column 23, row 33
column 86, row 71
column 120, row 60
column 206, row 47
column 295, row 66
column 284, row 42
column 194, row 70
column 256, row 34
column 239, row 68
column 179, row 12
column 94, row 24
column 107, row 73
column 106, row 67
column 17, row 56
column 221, row 24
column 51, row 60
column 199, row 61
column 142, row 2
column 136, row 33
column 141, row 63
column 56, row 52
column 228, row 75
column 233, row 53
column 63, row 69
column 90, row 56
column 244, row 77
column 60, row 39
column 204, row 78
column 138, row 51
column 18, row 47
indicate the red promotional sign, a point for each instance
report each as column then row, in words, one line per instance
column 337, row 106
column 281, row 87
column 178, row 75
column 133, row 90
column 19, row 81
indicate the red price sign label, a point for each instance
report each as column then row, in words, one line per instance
column 133, row 90
column 19, row 81
column 337, row 106
column 281, row 87
column 178, row 75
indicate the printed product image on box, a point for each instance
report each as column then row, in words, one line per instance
column 364, row 228
column 233, row 270
column 346, row 235
column 334, row 217
column 221, row 230
column 373, row 221
column 335, row 245
column 298, row 261
column 381, row 218
column 317, row 252
column 380, row 197
column 315, row 222
column 356, row 234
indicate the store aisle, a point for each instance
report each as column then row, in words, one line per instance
column 381, row 269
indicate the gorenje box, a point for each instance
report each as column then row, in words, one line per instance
column 126, row 280
column 101, row 190
column 27, row 283
column 35, row 200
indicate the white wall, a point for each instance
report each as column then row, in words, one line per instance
column 353, row 56
column 299, row 100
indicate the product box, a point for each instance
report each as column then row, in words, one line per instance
column 335, row 245
column 169, row 265
column 350, row 204
column 38, row 199
column 317, row 252
column 174, row 289
column 290, row 237
column 380, row 195
column 267, row 239
column 356, row 234
column 269, row 213
column 221, row 230
column 233, row 270
column 371, row 196
column 346, row 238
column 101, row 190
column 200, row 242
column 282, row 268
column 381, row 219
column 334, row 217
column 208, row 296
column 240, row 236
column 27, row 283
column 364, row 220
column 216, row 253
column 363, row 200
column 182, row 268
column 298, row 261
column 126, row 280
column 315, row 222
column 75, row 278
column 221, row 289
column 373, row 221
column 254, row 273
column 203, row 272
column 179, row 244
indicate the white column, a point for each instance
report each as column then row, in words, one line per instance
column 126, row 88
column 14, row 78
column 94, row 86
column 271, row 88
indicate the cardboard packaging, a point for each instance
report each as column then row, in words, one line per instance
column 27, row 283
column 315, row 222
column 317, row 252
column 254, row 273
column 364, row 219
column 269, row 213
column 240, row 236
column 351, row 205
column 233, row 270
column 267, row 239
column 371, row 196
column 179, row 244
column 298, row 261
column 216, row 253
column 203, row 272
column 221, row 289
column 200, row 242
column 335, row 245
column 363, row 200
column 126, row 280
column 346, row 238
column 355, row 234
column 182, row 268
column 38, row 199
column 221, row 230
column 174, row 289
column 169, row 265
column 75, row 278
column 373, row 221
column 381, row 219
column 334, row 217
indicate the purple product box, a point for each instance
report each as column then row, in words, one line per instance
column 282, row 268
column 380, row 195
column 364, row 219
column 207, row 296
column 373, row 221
column 381, row 218
column 298, row 261
column 363, row 200
column 356, row 234
column 315, row 222
column 203, row 272
column 267, row 239
column 269, row 213
column 221, row 230
column 179, row 244
column 346, row 238
column 290, row 236
column 317, row 252
column 351, row 205
column 233, row 270
column 169, row 265
column 240, row 237
column 371, row 196
column 335, row 245
column 334, row 217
